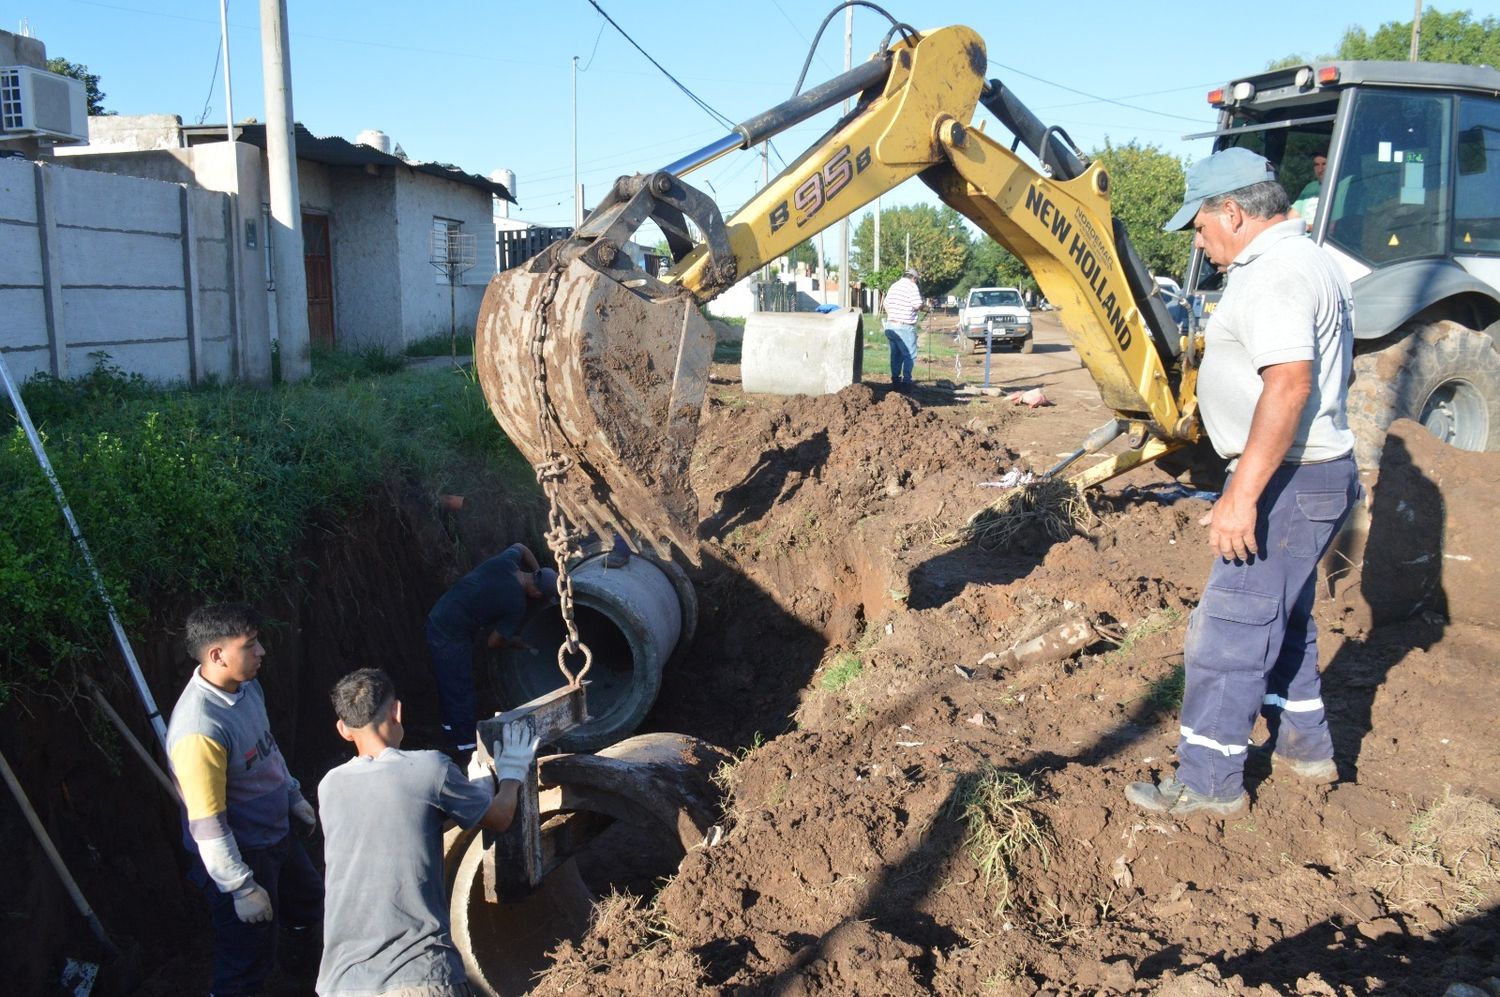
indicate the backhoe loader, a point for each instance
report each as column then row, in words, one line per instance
column 597, row 369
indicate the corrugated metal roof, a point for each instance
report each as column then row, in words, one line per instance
column 335, row 151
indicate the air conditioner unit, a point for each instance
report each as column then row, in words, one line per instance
column 37, row 104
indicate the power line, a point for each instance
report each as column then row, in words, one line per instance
column 676, row 82
column 1091, row 96
column 212, row 79
column 584, row 69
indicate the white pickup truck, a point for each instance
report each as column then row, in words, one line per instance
column 1003, row 311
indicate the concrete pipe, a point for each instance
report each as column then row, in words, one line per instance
column 802, row 353
column 633, row 618
column 646, row 801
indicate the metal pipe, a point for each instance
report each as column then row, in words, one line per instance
column 136, row 676
column 69, row 883
column 753, row 131
column 1043, row 142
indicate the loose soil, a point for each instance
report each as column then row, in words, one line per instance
column 846, row 867
column 858, row 667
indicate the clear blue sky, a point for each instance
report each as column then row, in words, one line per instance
column 488, row 85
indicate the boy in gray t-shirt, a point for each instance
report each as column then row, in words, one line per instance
column 385, row 927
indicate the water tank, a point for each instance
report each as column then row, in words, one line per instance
column 507, row 178
column 375, row 139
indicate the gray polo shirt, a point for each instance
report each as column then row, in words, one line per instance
column 385, row 922
column 1286, row 300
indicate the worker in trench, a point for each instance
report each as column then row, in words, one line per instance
column 1272, row 389
column 240, row 803
column 387, row 930
column 496, row 596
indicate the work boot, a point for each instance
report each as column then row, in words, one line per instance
column 1265, row 760
column 1172, row 797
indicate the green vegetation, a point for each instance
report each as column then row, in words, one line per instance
column 92, row 94
column 1165, row 693
column 845, row 669
column 992, row 804
column 1454, row 37
column 441, row 344
column 188, row 495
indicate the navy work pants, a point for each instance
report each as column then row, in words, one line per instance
column 1252, row 644
column 453, row 664
column 244, row 954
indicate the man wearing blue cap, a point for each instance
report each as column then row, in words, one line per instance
column 497, row 596
column 1276, row 368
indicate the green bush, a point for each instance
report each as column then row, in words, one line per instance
column 207, row 493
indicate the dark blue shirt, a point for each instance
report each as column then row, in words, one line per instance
column 489, row 596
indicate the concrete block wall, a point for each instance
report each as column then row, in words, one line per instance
column 425, row 301
column 95, row 262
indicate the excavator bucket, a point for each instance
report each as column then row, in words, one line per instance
column 578, row 365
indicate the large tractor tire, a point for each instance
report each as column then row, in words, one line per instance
column 1444, row 375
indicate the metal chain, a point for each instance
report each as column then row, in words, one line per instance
column 562, row 537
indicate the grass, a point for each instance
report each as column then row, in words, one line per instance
column 845, row 669
column 208, row 493
column 441, row 344
column 1449, row 860
column 992, row 803
column 723, row 777
column 1165, row 693
column 1053, row 507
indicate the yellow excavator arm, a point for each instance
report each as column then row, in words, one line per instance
column 597, row 370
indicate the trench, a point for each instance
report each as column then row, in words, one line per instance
column 361, row 600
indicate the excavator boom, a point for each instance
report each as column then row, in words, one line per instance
column 597, row 370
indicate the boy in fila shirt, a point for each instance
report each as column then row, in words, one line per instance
column 239, row 799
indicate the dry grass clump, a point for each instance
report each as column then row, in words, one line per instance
column 1450, row 859
column 1050, row 507
column 621, row 927
column 992, row 803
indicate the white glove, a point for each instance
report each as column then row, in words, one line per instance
column 252, row 904
column 515, row 751
column 479, row 769
column 303, row 811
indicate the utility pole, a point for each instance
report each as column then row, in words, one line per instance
column 577, row 195
column 844, row 288
column 286, row 203
column 1416, row 31
column 236, row 209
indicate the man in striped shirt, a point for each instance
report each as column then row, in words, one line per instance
column 902, row 302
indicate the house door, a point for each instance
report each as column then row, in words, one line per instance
column 318, row 262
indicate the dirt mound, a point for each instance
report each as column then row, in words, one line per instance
column 870, row 848
column 1422, row 545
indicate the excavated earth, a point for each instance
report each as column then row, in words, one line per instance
column 857, row 665
column 846, row 866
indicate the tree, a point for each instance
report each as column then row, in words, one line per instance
column 90, row 82
column 803, row 252
column 1455, row 37
column 1146, row 187
column 939, row 247
column 992, row 265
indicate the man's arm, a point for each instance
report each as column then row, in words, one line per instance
column 201, row 766
column 513, row 754
column 1284, row 392
column 528, row 559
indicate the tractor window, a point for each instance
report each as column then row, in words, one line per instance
column 1476, row 191
column 1390, row 200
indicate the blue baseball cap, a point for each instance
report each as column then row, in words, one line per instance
column 1225, row 171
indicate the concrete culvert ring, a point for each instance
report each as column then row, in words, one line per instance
column 632, row 618
column 641, row 804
